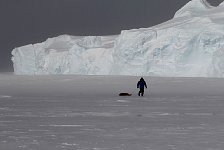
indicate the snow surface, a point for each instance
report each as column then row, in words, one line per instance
column 85, row 113
column 189, row 45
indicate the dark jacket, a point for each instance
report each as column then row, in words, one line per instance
column 141, row 84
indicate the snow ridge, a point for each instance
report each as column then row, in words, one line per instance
column 222, row 4
column 194, row 7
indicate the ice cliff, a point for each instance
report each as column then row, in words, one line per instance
column 189, row 45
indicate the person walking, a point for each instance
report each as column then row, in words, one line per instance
column 141, row 85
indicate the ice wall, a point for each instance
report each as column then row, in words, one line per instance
column 189, row 45
column 65, row 55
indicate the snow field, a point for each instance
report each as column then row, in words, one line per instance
column 86, row 113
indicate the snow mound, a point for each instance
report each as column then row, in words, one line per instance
column 192, row 8
column 189, row 45
column 222, row 4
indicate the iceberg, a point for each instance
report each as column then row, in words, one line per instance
column 191, row 44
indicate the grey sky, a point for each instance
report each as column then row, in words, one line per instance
column 25, row 22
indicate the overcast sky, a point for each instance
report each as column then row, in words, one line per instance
column 25, row 22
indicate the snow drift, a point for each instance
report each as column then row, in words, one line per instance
column 189, row 45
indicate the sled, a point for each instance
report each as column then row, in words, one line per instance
column 125, row 94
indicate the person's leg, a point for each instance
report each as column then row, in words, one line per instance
column 142, row 91
column 139, row 92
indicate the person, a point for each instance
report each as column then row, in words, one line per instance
column 141, row 85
